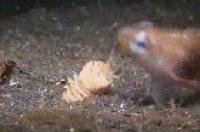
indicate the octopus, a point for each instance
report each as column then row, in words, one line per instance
column 170, row 56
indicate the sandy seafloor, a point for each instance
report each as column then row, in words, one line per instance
column 49, row 46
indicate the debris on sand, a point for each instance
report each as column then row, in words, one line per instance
column 2, row 67
column 95, row 78
column 5, row 69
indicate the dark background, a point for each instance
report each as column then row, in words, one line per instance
column 12, row 7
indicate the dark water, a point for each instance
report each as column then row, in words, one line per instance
column 13, row 7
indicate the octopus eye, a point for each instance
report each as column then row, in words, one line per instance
column 141, row 44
